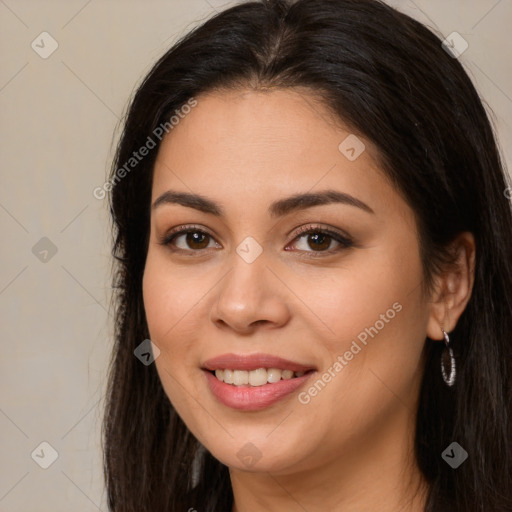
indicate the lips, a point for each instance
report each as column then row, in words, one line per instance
column 246, row 397
column 253, row 362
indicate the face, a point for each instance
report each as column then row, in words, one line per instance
column 326, row 290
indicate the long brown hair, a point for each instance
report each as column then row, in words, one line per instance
column 387, row 76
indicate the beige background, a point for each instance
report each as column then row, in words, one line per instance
column 58, row 119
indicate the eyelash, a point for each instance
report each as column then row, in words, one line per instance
column 343, row 240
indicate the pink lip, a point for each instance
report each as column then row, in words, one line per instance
column 253, row 362
column 253, row 398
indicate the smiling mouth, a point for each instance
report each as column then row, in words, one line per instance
column 255, row 378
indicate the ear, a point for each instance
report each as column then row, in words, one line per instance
column 453, row 288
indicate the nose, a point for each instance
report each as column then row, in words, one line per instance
column 250, row 295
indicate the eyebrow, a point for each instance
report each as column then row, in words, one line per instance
column 277, row 209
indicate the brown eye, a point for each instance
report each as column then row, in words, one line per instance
column 196, row 240
column 320, row 240
column 188, row 240
column 317, row 241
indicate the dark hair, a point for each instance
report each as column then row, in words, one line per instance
column 388, row 78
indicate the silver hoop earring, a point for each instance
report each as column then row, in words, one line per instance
column 448, row 361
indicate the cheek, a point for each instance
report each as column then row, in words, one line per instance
column 170, row 297
column 377, row 295
column 377, row 319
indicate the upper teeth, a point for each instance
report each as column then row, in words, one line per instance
column 257, row 377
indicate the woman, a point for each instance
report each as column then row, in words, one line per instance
column 312, row 229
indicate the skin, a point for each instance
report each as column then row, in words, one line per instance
column 350, row 447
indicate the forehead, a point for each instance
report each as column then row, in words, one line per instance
column 247, row 145
column 279, row 119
